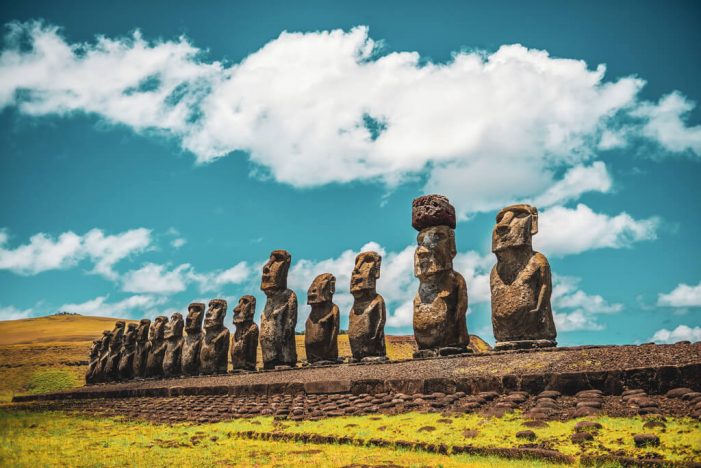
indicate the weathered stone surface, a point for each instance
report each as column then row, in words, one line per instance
column 172, row 359
column 678, row 392
column 126, row 358
column 277, row 326
column 214, row 350
column 520, row 282
column 190, row 359
column 366, row 321
column 321, row 328
column 111, row 370
column 141, row 348
column 98, row 374
column 527, row 434
column 244, row 344
column 440, row 305
column 156, row 347
column 93, row 361
column 646, row 440
column 581, row 437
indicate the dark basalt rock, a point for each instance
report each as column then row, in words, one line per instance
column 432, row 210
column 190, row 359
column 245, row 341
column 141, row 348
column 156, row 348
column 93, row 361
column 366, row 321
column 172, row 359
column 126, row 360
column 277, row 326
column 322, row 325
column 214, row 350
column 646, row 440
column 111, row 369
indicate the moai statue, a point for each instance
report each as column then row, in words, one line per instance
column 245, row 341
column 214, row 350
column 94, row 360
column 366, row 323
column 520, row 283
column 192, row 342
column 321, row 328
column 277, row 324
column 103, row 357
column 141, row 348
column 111, row 371
column 440, row 305
column 126, row 359
column 156, row 347
column 172, row 363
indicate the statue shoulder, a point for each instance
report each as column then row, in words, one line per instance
column 540, row 260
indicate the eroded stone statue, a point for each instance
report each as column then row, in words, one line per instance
column 440, row 305
column 126, row 359
column 214, row 350
column 193, row 341
column 104, row 354
column 141, row 348
column 520, row 282
column 244, row 344
column 366, row 322
column 111, row 371
column 94, row 360
column 173, row 335
column 321, row 328
column 277, row 325
column 156, row 347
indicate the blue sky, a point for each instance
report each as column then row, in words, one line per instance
column 155, row 154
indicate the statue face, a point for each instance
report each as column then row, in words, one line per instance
column 435, row 251
column 366, row 272
column 142, row 333
column 130, row 335
column 195, row 315
column 117, row 334
column 174, row 328
column 245, row 309
column 215, row 314
column 275, row 271
column 515, row 227
column 106, row 339
column 157, row 329
column 322, row 289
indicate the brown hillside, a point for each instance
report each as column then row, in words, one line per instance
column 54, row 329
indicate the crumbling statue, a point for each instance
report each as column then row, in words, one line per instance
column 277, row 325
column 99, row 373
column 126, row 359
column 111, row 371
column 172, row 363
column 214, row 350
column 321, row 328
column 366, row 323
column 94, row 360
column 141, row 348
column 520, row 282
column 244, row 345
column 193, row 340
column 440, row 304
column 156, row 347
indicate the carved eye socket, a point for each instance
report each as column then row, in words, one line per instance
column 521, row 214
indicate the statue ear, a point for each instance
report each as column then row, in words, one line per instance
column 534, row 220
column 332, row 286
column 378, row 265
column 453, row 249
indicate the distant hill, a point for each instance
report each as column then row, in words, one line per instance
column 54, row 329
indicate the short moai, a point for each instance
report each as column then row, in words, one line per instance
column 521, row 283
column 279, row 318
column 111, row 371
column 173, row 335
column 126, row 358
column 214, row 350
column 366, row 322
column 94, row 360
column 321, row 327
column 440, row 305
column 191, row 344
column 141, row 348
column 156, row 347
column 104, row 354
column 244, row 343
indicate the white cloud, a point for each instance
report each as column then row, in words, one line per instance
column 13, row 313
column 214, row 281
column 681, row 333
column 683, row 295
column 574, row 309
column 158, row 279
column 177, row 243
column 489, row 128
column 564, row 231
column 143, row 305
column 44, row 253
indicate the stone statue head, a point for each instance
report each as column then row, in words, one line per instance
column 130, row 335
column 322, row 289
column 435, row 251
column 245, row 309
column 142, row 332
column 157, row 329
column 275, row 271
column 117, row 335
column 105, row 340
column 195, row 315
column 95, row 348
column 365, row 272
column 174, row 328
column 516, row 225
column 214, row 318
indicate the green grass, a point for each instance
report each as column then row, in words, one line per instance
column 52, row 380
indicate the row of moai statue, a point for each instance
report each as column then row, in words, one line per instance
column 521, row 313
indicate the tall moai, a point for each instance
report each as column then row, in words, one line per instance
column 190, row 359
column 366, row 321
column 322, row 325
column 92, row 363
column 104, row 354
column 173, row 336
column 156, row 347
column 141, row 348
column 244, row 343
column 440, row 305
column 279, row 318
column 520, row 282
column 214, row 349
column 126, row 358
column 111, row 371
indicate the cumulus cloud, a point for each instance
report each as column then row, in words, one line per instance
column 159, row 279
column 683, row 295
column 681, row 333
column 574, row 309
column 332, row 103
column 143, row 305
column 44, row 253
column 13, row 313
